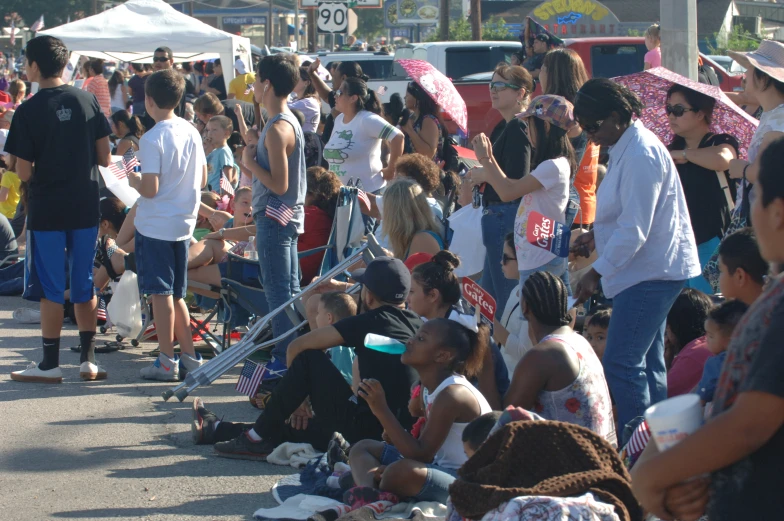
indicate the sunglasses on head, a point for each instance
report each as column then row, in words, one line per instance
column 496, row 86
column 160, row 59
column 678, row 110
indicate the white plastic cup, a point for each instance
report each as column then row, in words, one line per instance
column 672, row 420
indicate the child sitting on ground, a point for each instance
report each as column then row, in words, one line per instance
column 742, row 269
column 443, row 352
column 478, row 431
column 220, row 162
column 719, row 326
column 511, row 331
column 596, row 327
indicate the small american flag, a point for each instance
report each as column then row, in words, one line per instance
column 363, row 198
column 226, row 185
column 37, row 25
column 249, row 88
column 640, row 438
column 101, row 309
column 125, row 166
column 118, row 170
column 250, row 378
column 279, row 211
column 13, row 32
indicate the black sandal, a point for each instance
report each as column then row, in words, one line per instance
column 104, row 259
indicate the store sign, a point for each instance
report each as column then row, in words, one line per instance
column 571, row 10
column 244, row 20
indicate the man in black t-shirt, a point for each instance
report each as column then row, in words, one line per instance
column 163, row 58
column 63, row 133
column 217, row 85
column 386, row 283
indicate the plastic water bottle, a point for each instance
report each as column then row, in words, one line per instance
column 250, row 251
column 384, row 344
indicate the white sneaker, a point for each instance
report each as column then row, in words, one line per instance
column 89, row 371
column 164, row 369
column 27, row 316
column 188, row 364
column 34, row 374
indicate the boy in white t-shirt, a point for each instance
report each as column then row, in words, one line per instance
column 173, row 172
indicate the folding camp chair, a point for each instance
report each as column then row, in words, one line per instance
column 241, row 295
column 255, row 338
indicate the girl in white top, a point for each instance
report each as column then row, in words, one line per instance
column 305, row 99
column 511, row 331
column 354, row 148
column 443, row 352
column 546, row 188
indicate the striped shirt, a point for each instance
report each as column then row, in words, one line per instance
column 100, row 88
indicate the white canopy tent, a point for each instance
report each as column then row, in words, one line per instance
column 132, row 31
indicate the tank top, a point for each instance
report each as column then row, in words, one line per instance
column 586, row 401
column 451, row 454
column 294, row 197
column 118, row 100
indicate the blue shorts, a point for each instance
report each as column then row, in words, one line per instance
column 50, row 255
column 162, row 266
column 436, row 487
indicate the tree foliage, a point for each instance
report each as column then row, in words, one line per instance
column 56, row 12
column 739, row 39
column 460, row 31
column 370, row 23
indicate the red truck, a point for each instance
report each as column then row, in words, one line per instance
column 603, row 58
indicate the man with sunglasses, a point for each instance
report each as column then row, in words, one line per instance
column 162, row 59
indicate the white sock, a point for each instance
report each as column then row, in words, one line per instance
column 252, row 435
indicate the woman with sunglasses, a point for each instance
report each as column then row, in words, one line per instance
column 644, row 240
column 702, row 158
column 510, row 88
column 424, row 129
column 354, row 148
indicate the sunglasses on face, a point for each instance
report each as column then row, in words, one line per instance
column 338, row 93
column 678, row 110
column 496, row 86
column 506, row 258
column 160, row 59
column 592, row 128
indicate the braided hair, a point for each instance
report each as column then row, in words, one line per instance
column 439, row 273
column 546, row 297
column 470, row 347
column 600, row 97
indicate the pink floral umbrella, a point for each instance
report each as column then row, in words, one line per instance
column 440, row 88
column 652, row 85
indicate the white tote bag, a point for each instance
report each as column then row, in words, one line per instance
column 466, row 223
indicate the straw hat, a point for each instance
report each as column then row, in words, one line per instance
column 769, row 58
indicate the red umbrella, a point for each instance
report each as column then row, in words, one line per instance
column 652, row 86
column 440, row 88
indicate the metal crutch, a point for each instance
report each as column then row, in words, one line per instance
column 225, row 361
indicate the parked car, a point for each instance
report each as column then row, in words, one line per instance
column 728, row 64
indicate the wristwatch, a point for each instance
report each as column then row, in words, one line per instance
column 221, row 232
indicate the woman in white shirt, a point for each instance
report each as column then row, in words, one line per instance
column 306, row 101
column 546, row 189
column 644, row 240
column 354, row 148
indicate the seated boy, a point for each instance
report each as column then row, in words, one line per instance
column 742, row 268
column 476, row 432
column 173, row 172
column 334, row 307
column 719, row 326
column 742, row 444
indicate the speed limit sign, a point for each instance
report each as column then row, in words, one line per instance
column 332, row 17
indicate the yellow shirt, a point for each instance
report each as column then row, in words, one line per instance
column 11, row 181
column 241, row 87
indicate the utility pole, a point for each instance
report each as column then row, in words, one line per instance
column 312, row 34
column 443, row 23
column 476, row 20
column 296, row 24
column 679, row 36
column 190, row 8
column 95, row 6
column 269, row 25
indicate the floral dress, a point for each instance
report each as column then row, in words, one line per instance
column 586, row 401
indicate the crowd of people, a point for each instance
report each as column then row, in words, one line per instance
column 671, row 285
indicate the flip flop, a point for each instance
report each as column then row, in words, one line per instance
column 106, row 347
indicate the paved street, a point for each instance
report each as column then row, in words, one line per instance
column 113, row 449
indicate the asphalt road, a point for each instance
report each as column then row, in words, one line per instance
column 114, row 449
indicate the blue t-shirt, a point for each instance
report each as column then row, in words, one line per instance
column 710, row 376
column 216, row 161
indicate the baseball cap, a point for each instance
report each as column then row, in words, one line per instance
column 387, row 278
column 240, row 66
column 542, row 38
column 556, row 110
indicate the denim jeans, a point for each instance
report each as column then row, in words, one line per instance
column 558, row 267
column 497, row 221
column 277, row 247
column 634, row 357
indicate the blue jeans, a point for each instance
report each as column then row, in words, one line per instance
column 634, row 357
column 558, row 267
column 497, row 222
column 277, row 247
column 705, row 252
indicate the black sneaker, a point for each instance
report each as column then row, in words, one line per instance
column 242, row 447
column 337, row 450
column 203, row 426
